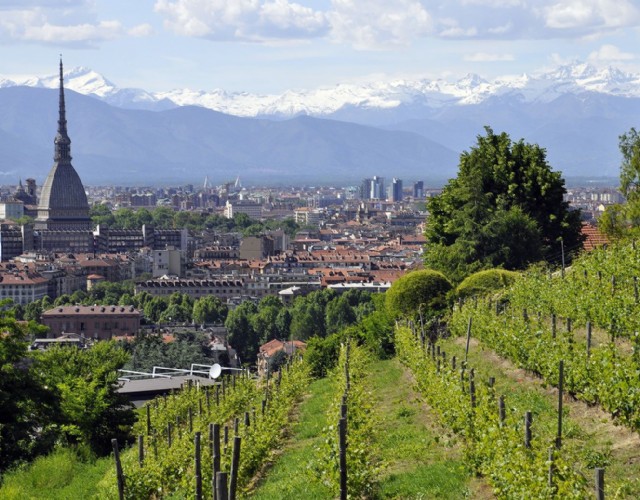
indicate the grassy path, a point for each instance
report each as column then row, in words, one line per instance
column 288, row 477
column 423, row 460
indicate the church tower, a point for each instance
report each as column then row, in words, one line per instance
column 63, row 202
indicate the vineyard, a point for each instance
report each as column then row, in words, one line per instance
column 232, row 430
column 532, row 391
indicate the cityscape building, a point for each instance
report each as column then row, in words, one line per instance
column 63, row 202
column 395, row 190
column 418, row 189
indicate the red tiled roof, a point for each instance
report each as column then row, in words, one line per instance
column 594, row 238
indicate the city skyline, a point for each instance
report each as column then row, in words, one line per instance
column 271, row 46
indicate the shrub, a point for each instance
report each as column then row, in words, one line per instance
column 419, row 291
column 486, row 281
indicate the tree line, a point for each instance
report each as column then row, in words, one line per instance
column 167, row 218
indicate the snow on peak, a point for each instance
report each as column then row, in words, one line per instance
column 576, row 78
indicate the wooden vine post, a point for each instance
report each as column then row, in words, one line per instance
column 342, row 430
column 235, row 463
column 198, row 466
column 466, row 351
column 560, row 390
column 599, row 483
column 119, row 473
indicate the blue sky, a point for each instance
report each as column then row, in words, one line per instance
column 268, row 46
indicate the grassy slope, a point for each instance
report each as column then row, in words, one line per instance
column 289, row 478
column 423, row 460
column 58, row 476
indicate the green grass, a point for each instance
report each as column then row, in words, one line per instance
column 62, row 475
column 422, row 460
column 289, row 477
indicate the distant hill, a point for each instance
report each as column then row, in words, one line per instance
column 116, row 145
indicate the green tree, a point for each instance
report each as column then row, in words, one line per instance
column 483, row 282
column 265, row 323
column 28, row 408
column 143, row 217
column 125, row 218
column 418, row 291
column 307, row 316
column 153, row 308
column 339, row 314
column 125, row 300
column 92, row 412
column 504, row 209
column 283, row 323
column 240, row 332
column 101, row 214
column 175, row 313
column 163, row 217
column 18, row 312
column 63, row 300
column 629, row 144
column 209, row 309
column 241, row 220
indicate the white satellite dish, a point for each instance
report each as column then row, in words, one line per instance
column 215, row 371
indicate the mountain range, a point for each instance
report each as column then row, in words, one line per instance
column 409, row 129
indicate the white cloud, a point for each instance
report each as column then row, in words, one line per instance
column 487, row 57
column 495, row 3
column 253, row 20
column 590, row 14
column 140, row 30
column 501, row 30
column 375, row 23
column 105, row 30
column 452, row 29
column 59, row 22
column 361, row 23
column 610, row 53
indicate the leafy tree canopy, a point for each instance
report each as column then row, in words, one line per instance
column 419, row 291
column 504, row 209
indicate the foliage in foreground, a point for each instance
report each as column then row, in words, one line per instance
column 363, row 463
column 493, row 449
column 169, row 470
column 601, row 374
column 61, row 475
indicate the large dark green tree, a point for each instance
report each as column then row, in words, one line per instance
column 504, row 209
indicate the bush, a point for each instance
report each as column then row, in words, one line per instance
column 486, row 281
column 419, row 291
column 322, row 354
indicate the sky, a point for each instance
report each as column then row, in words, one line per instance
column 270, row 46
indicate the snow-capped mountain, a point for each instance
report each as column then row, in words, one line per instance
column 407, row 128
column 88, row 82
column 573, row 79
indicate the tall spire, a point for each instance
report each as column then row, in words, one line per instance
column 62, row 142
